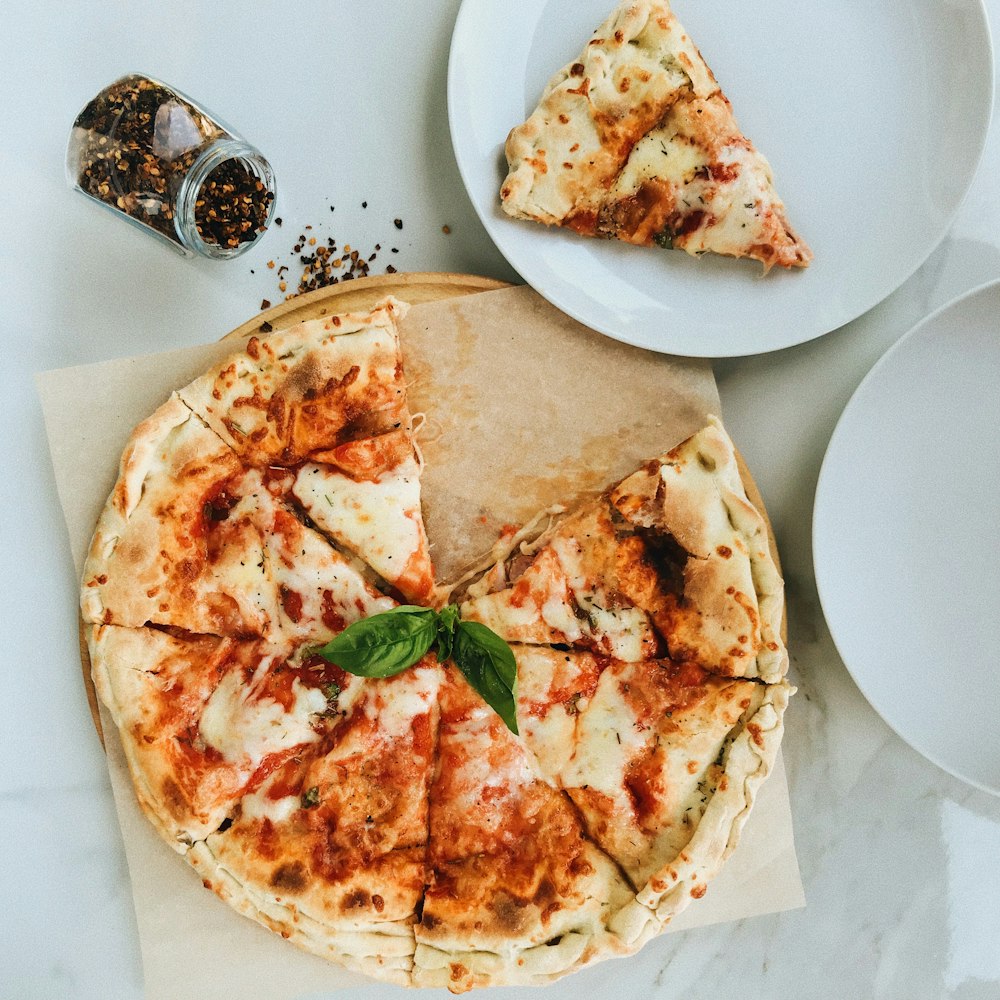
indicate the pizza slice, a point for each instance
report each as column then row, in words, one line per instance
column 191, row 539
column 635, row 141
column 662, row 760
column 517, row 894
column 568, row 593
column 179, row 541
column 672, row 562
column 691, row 510
column 326, row 401
column 320, row 592
column 204, row 720
column 330, row 850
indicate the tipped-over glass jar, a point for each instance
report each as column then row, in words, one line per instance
column 162, row 162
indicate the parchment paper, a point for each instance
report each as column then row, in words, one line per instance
column 523, row 407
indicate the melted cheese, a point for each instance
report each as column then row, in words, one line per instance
column 240, row 726
column 329, row 593
column 660, row 155
column 379, row 521
column 394, row 703
column 622, row 629
column 260, row 806
column 607, row 738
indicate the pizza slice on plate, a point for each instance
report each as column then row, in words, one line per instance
column 673, row 561
column 330, row 849
column 635, row 141
column 516, row 892
column 325, row 401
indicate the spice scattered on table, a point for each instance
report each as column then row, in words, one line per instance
column 324, row 261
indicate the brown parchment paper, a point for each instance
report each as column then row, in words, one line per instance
column 523, row 407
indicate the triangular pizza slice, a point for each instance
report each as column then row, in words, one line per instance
column 691, row 510
column 204, row 720
column 179, row 541
column 330, row 850
column 516, row 892
column 673, row 561
column 325, row 401
column 635, row 141
column 662, row 760
column 192, row 539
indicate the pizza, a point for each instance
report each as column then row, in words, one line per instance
column 399, row 825
column 635, row 141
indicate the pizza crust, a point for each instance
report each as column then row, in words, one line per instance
column 749, row 761
column 383, row 951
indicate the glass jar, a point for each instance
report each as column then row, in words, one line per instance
column 159, row 160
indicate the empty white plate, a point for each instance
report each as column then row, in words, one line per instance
column 873, row 114
column 906, row 537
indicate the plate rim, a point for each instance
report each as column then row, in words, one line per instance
column 517, row 260
column 826, row 467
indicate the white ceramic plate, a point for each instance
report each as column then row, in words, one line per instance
column 906, row 537
column 873, row 114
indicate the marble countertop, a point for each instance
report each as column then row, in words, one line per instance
column 900, row 861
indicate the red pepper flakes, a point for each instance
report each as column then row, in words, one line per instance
column 324, row 262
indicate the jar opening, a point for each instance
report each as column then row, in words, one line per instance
column 227, row 200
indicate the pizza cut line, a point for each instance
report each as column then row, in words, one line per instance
column 396, row 826
column 634, row 140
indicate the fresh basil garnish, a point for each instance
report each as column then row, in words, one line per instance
column 392, row 641
column 447, row 620
column 489, row 666
column 384, row 644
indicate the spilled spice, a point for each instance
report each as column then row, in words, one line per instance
column 325, row 261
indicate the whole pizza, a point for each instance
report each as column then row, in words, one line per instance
column 433, row 819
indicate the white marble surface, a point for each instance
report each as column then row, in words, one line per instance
column 901, row 863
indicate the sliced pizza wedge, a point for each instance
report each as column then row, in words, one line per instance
column 662, row 760
column 570, row 592
column 635, row 141
column 193, row 540
column 691, row 510
column 672, row 562
column 517, row 894
column 330, row 850
column 204, row 720
column 326, row 401
column 179, row 541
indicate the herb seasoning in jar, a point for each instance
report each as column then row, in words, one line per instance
column 155, row 157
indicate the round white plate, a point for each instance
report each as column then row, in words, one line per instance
column 873, row 114
column 906, row 537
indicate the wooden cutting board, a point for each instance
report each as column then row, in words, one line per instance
column 362, row 294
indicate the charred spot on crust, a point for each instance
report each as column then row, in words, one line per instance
column 356, row 899
column 509, row 912
column 291, row 877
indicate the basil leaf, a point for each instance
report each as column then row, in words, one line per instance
column 384, row 644
column 447, row 619
column 488, row 664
